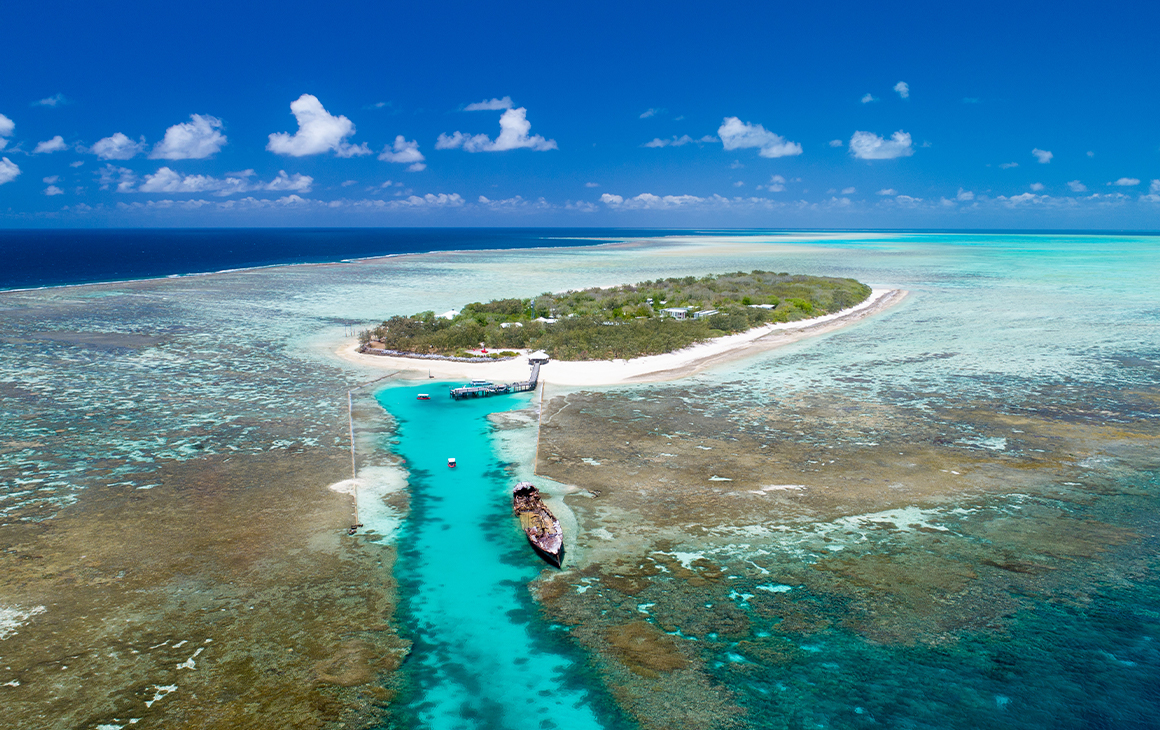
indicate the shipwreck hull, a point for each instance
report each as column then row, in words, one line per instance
column 540, row 526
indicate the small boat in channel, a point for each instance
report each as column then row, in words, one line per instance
column 540, row 526
column 451, row 463
column 423, row 396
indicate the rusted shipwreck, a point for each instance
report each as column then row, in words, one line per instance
column 540, row 525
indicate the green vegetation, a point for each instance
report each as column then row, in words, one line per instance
column 622, row 321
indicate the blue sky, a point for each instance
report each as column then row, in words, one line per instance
column 987, row 115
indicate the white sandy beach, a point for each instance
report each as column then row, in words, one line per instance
column 670, row 366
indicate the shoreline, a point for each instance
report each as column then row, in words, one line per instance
column 651, row 368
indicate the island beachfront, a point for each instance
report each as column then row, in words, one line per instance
column 627, row 321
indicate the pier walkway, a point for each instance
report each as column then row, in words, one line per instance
column 482, row 390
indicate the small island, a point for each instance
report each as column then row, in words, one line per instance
column 619, row 322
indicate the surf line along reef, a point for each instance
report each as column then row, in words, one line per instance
column 457, row 668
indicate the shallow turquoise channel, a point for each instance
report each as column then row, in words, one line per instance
column 482, row 658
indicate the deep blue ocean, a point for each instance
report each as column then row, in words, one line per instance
column 39, row 258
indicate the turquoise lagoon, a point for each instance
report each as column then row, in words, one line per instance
column 480, row 659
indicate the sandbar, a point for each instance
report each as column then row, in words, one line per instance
column 652, row 368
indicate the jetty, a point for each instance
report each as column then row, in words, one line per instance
column 484, row 389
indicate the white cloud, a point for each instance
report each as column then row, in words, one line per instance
column 648, row 201
column 591, row 185
column 122, row 176
column 580, row 205
column 965, row 195
column 903, row 89
column 50, row 179
column 887, row 191
column 868, row 98
column 78, row 163
column 318, row 132
column 297, row 182
column 53, row 190
column 738, row 184
column 404, row 153
column 516, row 203
column 650, row 113
column 849, row 191
column 8, row 170
column 1077, row 187
column 1091, row 154
column 7, row 126
column 1008, row 165
column 54, row 100
column 681, row 141
column 167, row 180
column 776, row 184
column 117, row 147
column 514, row 127
column 56, row 144
column 1043, row 156
column 1037, row 186
column 869, row 146
column 490, row 105
column 348, row 183
column 1153, row 193
column 1126, row 182
column 193, row 140
column 736, row 134
column 836, row 143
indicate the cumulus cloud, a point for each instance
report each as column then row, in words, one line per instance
column 297, row 182
column 117, row 147
column 887, row 191
column 1153, row 195
column 1077, row 187
column 965, row 195
column 318, row 132
column 8, row 170
column 7, row 126
column 53, row 190
column 650, row 113
column 489, row 105
column 404, row 153
column 1008, row 165
column 681, row 141
column 591, row 185
column 903, row 89
column 868, row 98
column 516, row 203
column 849, row 191
column 869, row 146
column 736, row 134
column 1126, row 182
column 193, row 140
column 514, row 127
column 1043, row 156
column 167, row 180
column 836, row 143
column 124, row 178
column 648, row 201
column 776, row 184
column 54, row 100
column 1037, row 186
column 56, row 144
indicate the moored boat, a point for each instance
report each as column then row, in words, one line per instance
column 540, row 526
column 451, row 463
column 423, row 396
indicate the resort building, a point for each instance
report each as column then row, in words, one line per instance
column 675, row 312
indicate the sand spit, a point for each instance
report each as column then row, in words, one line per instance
column 670, row 366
